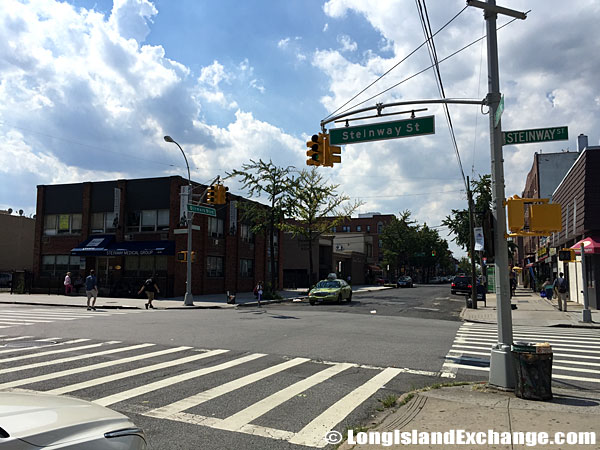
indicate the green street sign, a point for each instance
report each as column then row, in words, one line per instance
column 383, row 130
column 535, row 135
column 202, row 210
column 499, row 111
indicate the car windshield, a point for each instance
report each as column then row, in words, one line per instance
column 328, row 284
column 464, row 279
column 404, row 278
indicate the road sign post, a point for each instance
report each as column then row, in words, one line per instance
column 382, row 131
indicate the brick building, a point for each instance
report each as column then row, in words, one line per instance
column 128, row 229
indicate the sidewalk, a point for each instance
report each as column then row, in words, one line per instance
column 209, row 301
column 532, row 310
column 479, row 408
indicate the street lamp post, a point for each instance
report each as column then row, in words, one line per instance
column 188, row 300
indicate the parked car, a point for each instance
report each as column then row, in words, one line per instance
column 405, row 281
column 435, row 280
column 461, row 285
column 330, row 290
column 31, row 420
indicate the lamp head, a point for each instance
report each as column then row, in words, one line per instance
column 169, row 139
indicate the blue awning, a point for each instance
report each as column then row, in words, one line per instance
column 95, row 245
column 141, row 248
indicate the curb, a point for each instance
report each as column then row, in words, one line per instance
column 267, row 302
column 65, row 305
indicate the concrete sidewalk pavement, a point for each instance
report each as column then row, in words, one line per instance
column 479, row 408
column 209, row 301
column 532, row 310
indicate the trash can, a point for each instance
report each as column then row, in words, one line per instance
column 533, row 370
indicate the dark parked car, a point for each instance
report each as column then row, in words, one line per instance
column 405, row 282
column 461, row 285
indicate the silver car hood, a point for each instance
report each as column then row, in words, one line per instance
column 43, row 420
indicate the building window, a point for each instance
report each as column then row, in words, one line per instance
column 148, row 220
column 380, row 243
column 333, row 230
column 214, row 266
column 379, row 227
column 246, row 233
column 62, row 224
column 59, row 265
column 358, row 228
column 346, row 228
column 215, row 227
column 104, row 222
column 368, row 228
column 247, row 268
column 145, row 265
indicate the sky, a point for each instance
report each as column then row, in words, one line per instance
column 89, row 88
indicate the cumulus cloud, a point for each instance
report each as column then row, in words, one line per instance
column 348, row 45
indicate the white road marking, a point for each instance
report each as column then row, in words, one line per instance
column 195, row 400
column 125, row 395
column 64, row 373
column 72, row 358
column 128, row 373
column 313, row 434
column 247, row 415
column 28, row 349
column 535, row 337
column 17, row 338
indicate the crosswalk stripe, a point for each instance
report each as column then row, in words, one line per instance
column 574, row 369
column 568, row 377
column 468, row 367
column 484, row 341
column 51, row 352
column 195, row 400
column 554, row 346
column 64, row 373
column 125, row 395
column 59, row 313
column 313, row 434
column 30, row 321
column 528, row 336
column 74, row 358
column 17, row 338
column 31, row 316
column 27, row 349
column 53, row 339
column 247, row 415
column 128, row 373
column 559, row 330
column 555, row 354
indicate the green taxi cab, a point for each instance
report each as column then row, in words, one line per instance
column 330, row 290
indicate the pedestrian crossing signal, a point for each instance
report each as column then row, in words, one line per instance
column 182, row 256
column 566, row 255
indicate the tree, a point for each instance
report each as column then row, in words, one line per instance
column 458, row 222
column 316, row 208
column 265, row 178
column 399, row 241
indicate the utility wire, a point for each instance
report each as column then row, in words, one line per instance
column 426, row 25
column 424, row 70
column 398, row 63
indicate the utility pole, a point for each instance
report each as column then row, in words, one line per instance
column 472, row 247
column 501, row 367
column 587, row 314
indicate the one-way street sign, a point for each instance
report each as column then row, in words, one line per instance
column 382, row 130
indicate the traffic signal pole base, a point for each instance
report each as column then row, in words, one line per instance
column 501, row 367
column 188, row 299
column 587, row 316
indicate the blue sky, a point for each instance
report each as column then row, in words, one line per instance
column 88, row 89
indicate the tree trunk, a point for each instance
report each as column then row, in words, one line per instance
column 310, row 262
column 272, row 248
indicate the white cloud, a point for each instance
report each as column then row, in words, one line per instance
column 348, row 45
column 283, row 43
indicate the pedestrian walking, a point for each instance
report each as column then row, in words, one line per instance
column 258, row 291
column 91, row 290
column 68, row 284
column 561, row 285
column 349, row 279
column 548, row 288
column 150, row 288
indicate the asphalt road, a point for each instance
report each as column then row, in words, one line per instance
column 348, row 358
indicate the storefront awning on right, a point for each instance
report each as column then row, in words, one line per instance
column 591, row 245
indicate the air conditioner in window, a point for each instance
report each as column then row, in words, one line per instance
column 216, row 242
column 129, row 237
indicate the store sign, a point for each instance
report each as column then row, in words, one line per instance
column 542, row 253
column 553, row 251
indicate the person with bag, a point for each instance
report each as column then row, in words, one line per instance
column 258, row 292
column 150, row 288
column 548, row 287
column 91, row 290
column 561, row 285
column 68, row 284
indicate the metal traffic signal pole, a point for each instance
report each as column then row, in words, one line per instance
column 472, row 247
column 501, row 367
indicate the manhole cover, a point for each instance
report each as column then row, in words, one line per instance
column 21, row 344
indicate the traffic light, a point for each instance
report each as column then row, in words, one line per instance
column 433, row 253
column 221, row 194
column 182, row 256
column 317, row 150
column 545, row 218
column 211, row 195
column 516, row 213
column 331, row 154
column 566, row 255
